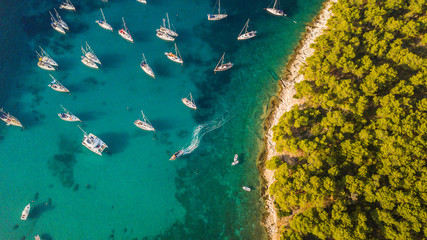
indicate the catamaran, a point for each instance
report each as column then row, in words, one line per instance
column 67, row 5
column 91, row 54
column 274, row 10
column 68, row 116
column 9, row 119
column 93, row 143
column 56, row 25
column 164, row 36
column 189, row 102
column 44, row 57
column 142, row 1
column 26, row 211
column 103, row 23
column 45, row 66
column 124, row 32
column 221, row 66
column 247, row 34
column 86, row 61
column 175, row 57
column 60, row 21
column 147, row 69
column 219, row 15
column 235, row 161
column 168, row 29
column 144, row 124
column 177, row 155
column 57, row 86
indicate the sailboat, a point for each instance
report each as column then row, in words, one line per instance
column 26, row 212
column 142, row 1
column 93, row 143
column 219, row 15
column 45, row 65
column 103, row 23
column 57, row 86
column 168, row 29
column 44, row 57
column 68, row 116
column 147, row 69
column 124, row 32
column 274, row 10
column 91, row 54
column 86, row 61
column 144, row 124
column 56, row 25
column 67, row 5
column 189, row 102
column 164, row 36
column 60, row 21
column 246, row 35
column 248, row 189
column 9, row 119
column 221, row 66
column 175, row 57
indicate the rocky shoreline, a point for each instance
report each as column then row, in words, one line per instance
column 282, row 103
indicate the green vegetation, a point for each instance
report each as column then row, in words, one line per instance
column 359, row 143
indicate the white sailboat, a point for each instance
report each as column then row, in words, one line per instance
column 68, row 116
column 175, row 57
column 45, row 66
column 219, row 15
column 246, row 34
column 86, row 61
column 124, row 32
column 26, row 212
column 147, row 69
column 44, row 57
column 248, row 189
column 56, row 25
column 103, row 23
column 9, row 119
column 274, row 10
column 168, row 30
column 57, row 86
column 221, row 66
column 93, row 143
column 164, row 36
column 235, row 161
column 67, row 5
column 189, row 102
column 144, row 124
column 142, row 1
column 91, row 54
column 61, row 22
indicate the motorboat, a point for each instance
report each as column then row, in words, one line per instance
column 26, row 212
column 124, row 32
column 86, row 61
column 67, row 5
column 175, row 57
column 103, row 23
column 189, row 102
column 57, row 86
column 45, row 66
column 9, row 119
column 177, row 155
column 221, row 66
column 147, row 69
column 235, row 161
column 219, row 15
column 68, row 116
column 274, row 11
column 93, row 143
column 248, row 189
column 164, row 36
column 246, row 34
column 144, row 124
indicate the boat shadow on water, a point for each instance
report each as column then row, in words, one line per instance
column 90, row 116
column 161, row 69
column 109, row 61
column 117, row 142
column 40, row 208
column 141, row 36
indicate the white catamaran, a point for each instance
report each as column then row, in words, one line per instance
column 103, row 23
column 124, row 32
column 168, row 30
column 189, row 102
column 219, row 15
column 56, row 25
column 91, row 54
column 9, row 119
column 26, row 212
column 68, row 116
column 147, row 69
column 44, row 57
column 60, row 21
column 93, row 143
column 144, row 124
column 86, row 61
column 67, row 5
column 175, row 57
column 57, row 86
column 246, row 34
column 221, row 66
column 274, row 10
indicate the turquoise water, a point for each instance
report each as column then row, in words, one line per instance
column 134, row 191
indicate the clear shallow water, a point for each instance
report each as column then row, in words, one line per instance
column 134, row 191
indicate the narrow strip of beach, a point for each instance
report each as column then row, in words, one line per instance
column 281, row 103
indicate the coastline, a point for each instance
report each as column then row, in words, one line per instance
column 282, row 102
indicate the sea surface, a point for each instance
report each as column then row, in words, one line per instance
column 133, row 191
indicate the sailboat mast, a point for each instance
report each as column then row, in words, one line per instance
column 103, row 15
column 274, row 5
column 169, row 25
column 219, row 6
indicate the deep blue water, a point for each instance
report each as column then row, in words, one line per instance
column 134, row 191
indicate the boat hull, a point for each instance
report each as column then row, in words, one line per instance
column 57, row 27
column 86, row 61
column 58, row 88
column 188, row 103
column 142, row 1
column 104, row 25
column 168, row 32
column 275, row 12
column 216, row 17
column 67, row 7
column 125, row 35
column 174, row 58
column 223, row 67
column 45, row 66
column 68, row 117
column 164, row 36
column 143, row 125
column 147, row 69
column 247, row 35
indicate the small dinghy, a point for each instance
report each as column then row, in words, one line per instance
column 57, row 86
column 248, row 189
column 176, row 155
column 221, row 66
column 103, row 23
column 235, row 160
column 246, row 34
column 144, row 124
column 147, row 69
column 274, row 11
column 189, row 102
column 68, row 116
column 219, row 15
column 124, row 32
column 67, row 5
column 25, row 213
column 175, row 57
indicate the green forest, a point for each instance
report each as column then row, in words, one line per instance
column 354, row 153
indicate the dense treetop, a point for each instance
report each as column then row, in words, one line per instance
column 359, row 143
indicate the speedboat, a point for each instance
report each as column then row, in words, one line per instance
column 45, row 66
column 9, row 119
column 25, row 213
column 93, row 143
column 37, row 237
column 235, row 160
column 177, row 155
column 248, row 189
column 164, row 36
column 147, row 69
column 86, row 61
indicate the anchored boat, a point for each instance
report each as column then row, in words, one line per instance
column 124, row 32
column 175, row 57
column 91, row 54
column 68, row 116
column 168, row 30
column 103, row 23
column 221, row 66
column 273, row 10
column 93, row 143
column 246, row 35
column 60, row 21
column 189, row 102
column 147, row 69
column 56, row 25
column 144, row 124
column 57, row 86
column 44, row 57
column 164, row 36
column 177, row 155
column 88, row 62
column 142, row 1
column 67, row 5
column 219, row 15
column 25, row 213
column 45, row 66
column 235, row 161
column 9, row 119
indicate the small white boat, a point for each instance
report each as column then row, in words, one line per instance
column 164, row 36
column 177, row 155
column 91, row 54
column 57, row 86
column 25, row 213
column 273, row 10
column 9, row 119
column 86, row 61
column 189, row 102
column 45, row 66
column 221, row 66
column 67, row 5
column 56, row 25
column 246, row 34
column 219, row 15
column 142, row 1
column 103, row 23
column 144, row 124
column 61, row 22
column 175, row 57
column 235, row 161
column 124, row 32
column 37, row 237
column 44, row 57
column 68, row 116
column 248, row 189
column 168, row 30
column 93, row 143
column 147, row 69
